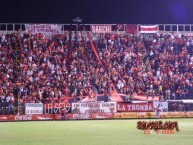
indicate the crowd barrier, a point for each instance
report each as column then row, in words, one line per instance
column 90, row 116
column 163, row 28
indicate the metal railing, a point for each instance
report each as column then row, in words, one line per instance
column 185, row 28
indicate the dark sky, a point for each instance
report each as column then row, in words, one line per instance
column 97, row 11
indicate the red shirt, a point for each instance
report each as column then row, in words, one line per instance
column 63, row 110
column 157, row 109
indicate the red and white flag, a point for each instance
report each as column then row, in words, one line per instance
column 148, row 29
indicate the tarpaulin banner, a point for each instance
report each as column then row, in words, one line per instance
column 163, row 106
column 135, row 107
column 148, row 29
column 131, row 28
column 188, row 114
column 127, row 115
column 120, row 27
column 30, row 117
column 68, row 116
column 54, row 108
column 101, row 29
column 77, row 116
column 175, row 114
column 91, row 116
column 47, row 29
column 94, row 107
column 33, row 108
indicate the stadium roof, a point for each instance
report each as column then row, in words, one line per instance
column 97, row 11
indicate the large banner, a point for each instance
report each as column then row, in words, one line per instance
column 127, row 115
column 47, row 29
column 94, row 107
column 101, row 28
column 76, row 116
column 148, row 29
column 90, row 116
column 68, row 116
column 54, row 108
column 131, row 28
column 33, row 108
column 135, row 107
column 163, row 106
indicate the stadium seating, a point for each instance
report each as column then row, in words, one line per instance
column 145, row 65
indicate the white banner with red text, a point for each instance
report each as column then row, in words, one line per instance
column 55, row 108
column 94, row 107
column 148, row 29
column 163, row 106
column 101, row 29
column 47, row 29
column 33, row 108
column 68, row 116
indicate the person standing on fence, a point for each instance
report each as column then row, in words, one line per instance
column 157, row 110
column 63, row 111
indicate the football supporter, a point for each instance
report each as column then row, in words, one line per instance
column 152, row 65
column 157, row 110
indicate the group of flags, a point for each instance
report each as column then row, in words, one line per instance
column 133, row 28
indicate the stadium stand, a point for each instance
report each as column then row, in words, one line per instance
column 144, row 65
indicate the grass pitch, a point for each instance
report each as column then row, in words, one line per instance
column 93, row 132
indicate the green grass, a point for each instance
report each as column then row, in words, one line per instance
column 101, row 132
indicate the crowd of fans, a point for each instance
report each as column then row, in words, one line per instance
column 151, row 65
column 6, row 75
column 148, row 65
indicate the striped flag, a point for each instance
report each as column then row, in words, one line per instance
column 148, row 29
